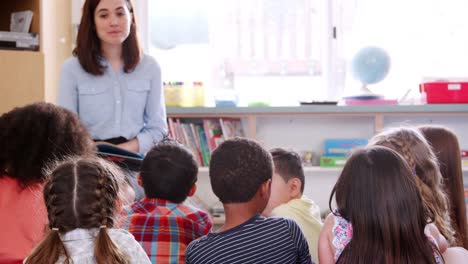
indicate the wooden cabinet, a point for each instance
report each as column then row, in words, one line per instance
column 30, row 76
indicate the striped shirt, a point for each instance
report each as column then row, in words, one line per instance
column 259, row 240
column 164, row 229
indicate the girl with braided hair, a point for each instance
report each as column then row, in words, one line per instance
column 412, row 145
column 82, row 199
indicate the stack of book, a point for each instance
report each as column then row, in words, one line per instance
column 202, row 136
column 337, row 151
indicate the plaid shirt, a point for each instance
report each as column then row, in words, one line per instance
column 165, row 229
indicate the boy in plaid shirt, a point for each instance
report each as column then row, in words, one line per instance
column 160, row 222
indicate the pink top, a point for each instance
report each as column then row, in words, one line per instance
column 23, row 218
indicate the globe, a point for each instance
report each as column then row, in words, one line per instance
column 370, row 65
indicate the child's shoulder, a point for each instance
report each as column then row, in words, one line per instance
column 123, row 238
column 280, row 221
column 198, row 243
column 120, row 234
column 190, row 211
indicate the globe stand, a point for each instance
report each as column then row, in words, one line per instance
column 364, row 94
column 370, row 65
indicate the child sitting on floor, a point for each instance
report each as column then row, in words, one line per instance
column 160, row 222
column 240, row 175
column 287, row 198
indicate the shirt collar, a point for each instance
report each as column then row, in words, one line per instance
column 156, row 201
column 79, row 234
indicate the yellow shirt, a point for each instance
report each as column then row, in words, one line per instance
column 307, row 215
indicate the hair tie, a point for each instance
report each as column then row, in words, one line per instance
column 55, row 229
column 103, row 226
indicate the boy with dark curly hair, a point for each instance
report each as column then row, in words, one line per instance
column 240, row 175
column 31, row 137
column 160, row 222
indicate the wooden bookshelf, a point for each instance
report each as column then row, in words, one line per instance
column 9, row 6
column 30, row 76
column 376, row 113
column 23, row 80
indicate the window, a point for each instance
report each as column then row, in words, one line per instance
column 267, row 51
column 424, row 38
column 286, row 51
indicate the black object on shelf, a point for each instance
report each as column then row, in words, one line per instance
column 320, row 103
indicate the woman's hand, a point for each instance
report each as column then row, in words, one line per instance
column 131, row 145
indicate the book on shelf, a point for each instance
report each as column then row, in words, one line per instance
column 125, row 159
column 190, row 142
column 231, row 127
column 214, row 133
column 203, row 135
column 337, row 151
column 205, row 151
column 343, row 147
column 332, row 161
column 21, row 21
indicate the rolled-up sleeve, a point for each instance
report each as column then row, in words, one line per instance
column 154, row 115
column 67, row 93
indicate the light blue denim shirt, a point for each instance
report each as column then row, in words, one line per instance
column 117, row 105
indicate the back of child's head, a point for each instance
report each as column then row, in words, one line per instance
column 445, row 144
column 169, row 171
column 81, row 193
column 34, row 135
column 238, row 168
column 417, row 152
column 377, row 193
column 288, row 165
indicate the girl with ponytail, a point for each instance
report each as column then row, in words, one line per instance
column 82, row 199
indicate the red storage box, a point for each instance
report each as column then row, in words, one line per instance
column 445, row 92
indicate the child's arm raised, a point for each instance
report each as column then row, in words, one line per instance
column 326, row 251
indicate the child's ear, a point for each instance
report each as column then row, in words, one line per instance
column 294, row 185
column 265, row 189
column 140, row 182
column 192, row 190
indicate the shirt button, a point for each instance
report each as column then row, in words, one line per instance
column 118, row 101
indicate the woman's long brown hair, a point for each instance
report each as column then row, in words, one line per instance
column 417, row 152
column 88, row 44
column 445, row 145
column 377, row 193
column 80, row 193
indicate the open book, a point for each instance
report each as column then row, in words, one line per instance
column 125, row 159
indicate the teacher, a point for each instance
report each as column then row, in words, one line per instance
column 113, row 87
